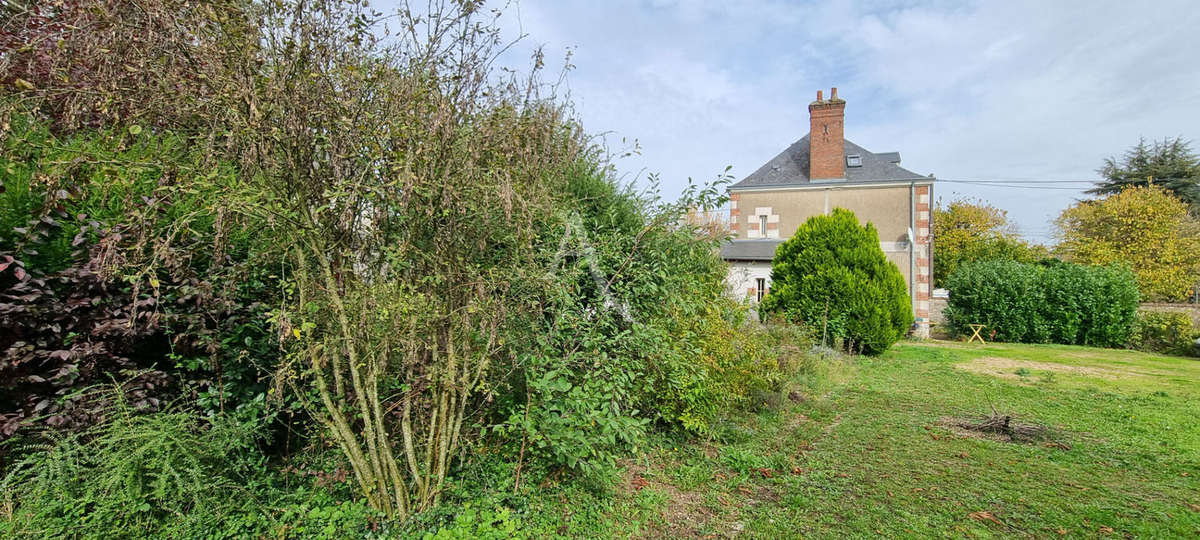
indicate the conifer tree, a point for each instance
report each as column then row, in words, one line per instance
column 833, row 276
column 1169, row 163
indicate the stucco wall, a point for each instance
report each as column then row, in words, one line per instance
column 885, row 207
column 742, row 277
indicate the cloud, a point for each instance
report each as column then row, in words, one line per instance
column 985, row 90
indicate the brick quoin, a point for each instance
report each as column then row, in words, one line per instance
column 734, row 212
column 924, row 232
column 826, row 137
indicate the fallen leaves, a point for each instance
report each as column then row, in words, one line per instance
column 639, row 483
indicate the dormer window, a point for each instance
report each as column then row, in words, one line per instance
column 854, row 160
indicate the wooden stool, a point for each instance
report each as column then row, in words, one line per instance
column 976, row 328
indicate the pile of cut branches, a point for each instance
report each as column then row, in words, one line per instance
column 1003, row 424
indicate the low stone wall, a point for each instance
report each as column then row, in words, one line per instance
column 936, row 306
column 1190, row 309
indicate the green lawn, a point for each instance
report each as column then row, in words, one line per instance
column 869, row 451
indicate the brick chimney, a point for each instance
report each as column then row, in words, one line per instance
column 827, row 153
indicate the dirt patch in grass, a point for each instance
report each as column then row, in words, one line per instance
column 684, row 515
column 1007, row 368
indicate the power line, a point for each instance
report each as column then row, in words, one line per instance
column 1011, row 181
column 1015, row 185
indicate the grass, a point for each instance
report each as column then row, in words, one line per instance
column 869, row 450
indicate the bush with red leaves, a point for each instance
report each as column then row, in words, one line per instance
column 64, row 333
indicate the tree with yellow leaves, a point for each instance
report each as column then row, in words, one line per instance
column 967, row 230
column 1145, row 227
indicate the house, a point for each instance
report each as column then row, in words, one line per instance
column 820, row 172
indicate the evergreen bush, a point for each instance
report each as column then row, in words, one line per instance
column 833, row 276
column 1050, row 302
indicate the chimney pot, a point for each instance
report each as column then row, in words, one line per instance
column 819, row 96
column 833, row 93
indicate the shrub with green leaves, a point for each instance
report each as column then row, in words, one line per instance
column 1051, row 302
column 441, row 247
column 131, row 476
column 118, row 262
column 833, row 276
column 1166, row 332
column 168, row 475
column 634, row 330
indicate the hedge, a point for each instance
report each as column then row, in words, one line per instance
column 1048, row 302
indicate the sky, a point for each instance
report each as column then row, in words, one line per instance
column 1029, row 93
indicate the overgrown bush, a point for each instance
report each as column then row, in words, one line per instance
column 833, row 276
column 1165, row 332
column 413, row 247
column 636, row 331
column 1053, row 302
column 118, row 263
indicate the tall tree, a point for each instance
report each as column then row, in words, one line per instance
column 1169, row 163
column 1147, row 228
column 966, row 231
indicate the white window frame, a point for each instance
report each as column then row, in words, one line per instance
column 761, row 283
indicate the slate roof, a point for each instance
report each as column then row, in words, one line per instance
column 750, row 250
column 790, row 168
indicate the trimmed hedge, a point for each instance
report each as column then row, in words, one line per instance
column 1049, row 302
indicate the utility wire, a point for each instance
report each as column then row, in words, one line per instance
column 1013, row 185
column 1004, row 181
